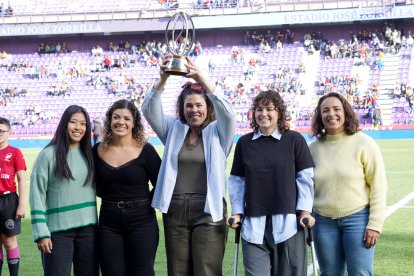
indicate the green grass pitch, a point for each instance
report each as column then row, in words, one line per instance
column 394, row 252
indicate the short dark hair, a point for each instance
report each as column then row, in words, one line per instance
column 351, row 124
column 137, row 129
column 62, row 143
column 265, row 98
column 194, row 89
column 4, row 121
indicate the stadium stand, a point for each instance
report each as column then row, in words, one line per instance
column 36, row 88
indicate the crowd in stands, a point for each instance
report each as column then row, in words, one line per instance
column 361, row 45
column 98, row 71
column 52, row 48
column 120, row 86
column 405, row 91
column 215, row 4
column 149, row 53
column 8, row 94
column 6, row 11
column 264, row 42
column 35, row 114
column 60, row 88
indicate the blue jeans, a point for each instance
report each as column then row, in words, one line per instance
column 340, row 242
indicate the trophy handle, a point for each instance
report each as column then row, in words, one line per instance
column 189, row 37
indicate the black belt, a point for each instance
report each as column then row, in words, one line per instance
column 7, row 193
column 126, row 203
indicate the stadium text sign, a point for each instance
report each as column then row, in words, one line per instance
column 325, row 16
column 209, row 22
column 46, row 29
column 304, row 17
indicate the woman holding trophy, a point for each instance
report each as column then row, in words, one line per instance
column 191, row 185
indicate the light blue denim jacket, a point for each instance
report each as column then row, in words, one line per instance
column 284, row 226
column 217, row 141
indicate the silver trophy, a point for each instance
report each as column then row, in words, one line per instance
column 179, row 37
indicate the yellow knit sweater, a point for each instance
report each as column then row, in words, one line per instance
column 349, row 176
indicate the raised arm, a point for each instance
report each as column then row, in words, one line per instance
column 153, row 110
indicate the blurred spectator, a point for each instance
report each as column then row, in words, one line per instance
column 376, row 116
column 197, row 49
column 410, row 41
column 409, row 96
column 311, row 49
column 302, row 68
column 289, row 36
column 43, row 71
column 9, row 10
column 97, row 130
column 112, row 47
column 264, row 46
column 58, row 48
column 279, row 44
column 98, row 51
column 381, row 57
column 396, row 92
column 64, row 49
column 127, row 46
column 234, row 55
column 307, row 39
column 270, row 39
column 41, row 48
column 211, row 65
column 108, row 63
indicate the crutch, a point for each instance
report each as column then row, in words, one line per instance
column 237, row 242
column 312, row 246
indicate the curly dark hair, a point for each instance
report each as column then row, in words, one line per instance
column 265, row 98
column 137, row 129
column 351, row 125
column 194, row 89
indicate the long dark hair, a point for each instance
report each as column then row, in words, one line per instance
column 137, row 129
column 191, row 88
column 351, row 125
column 265, row 98
column 62, row 144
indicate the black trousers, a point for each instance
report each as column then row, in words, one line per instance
column 128, row 239
column 75, row 246
column 194, row 243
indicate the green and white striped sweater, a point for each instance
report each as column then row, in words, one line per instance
column 59, row 204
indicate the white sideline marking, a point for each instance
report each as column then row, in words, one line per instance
column 390, row 210
column 401, row 172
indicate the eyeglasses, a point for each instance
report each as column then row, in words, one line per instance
column 3, row 131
